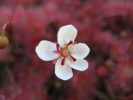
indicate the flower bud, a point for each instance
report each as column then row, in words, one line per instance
column 3, row 42
column 8, row 28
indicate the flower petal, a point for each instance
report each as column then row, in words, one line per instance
column 79, row 64
column 79, row 51
column 63, row 72
column 66, row 34
column 46, row 50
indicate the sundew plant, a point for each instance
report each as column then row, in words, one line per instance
column 66, row 50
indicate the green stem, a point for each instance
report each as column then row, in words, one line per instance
column 3, row 32
column 110, row 91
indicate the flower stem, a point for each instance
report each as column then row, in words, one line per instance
column 110, row 91
column 3, row 30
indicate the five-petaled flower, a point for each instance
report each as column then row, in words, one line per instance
column 66, row 52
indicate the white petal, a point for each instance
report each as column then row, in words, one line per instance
column 63, row 72
column 79, row 64
column 46, row 50
column 80, row 50
column 66, row 34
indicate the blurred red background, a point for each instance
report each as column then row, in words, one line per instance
column 106, row 26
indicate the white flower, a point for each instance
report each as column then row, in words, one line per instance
column 67, row 53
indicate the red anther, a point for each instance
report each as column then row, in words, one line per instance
column 73, row 58
column 57, row 47
column 71, row 42
column 63, row 61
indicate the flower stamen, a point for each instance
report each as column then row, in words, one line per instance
column 73, row 58
column 57, row 47
column 63, row 61
column 71, row 42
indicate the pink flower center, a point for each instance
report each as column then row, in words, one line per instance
column 64, row 52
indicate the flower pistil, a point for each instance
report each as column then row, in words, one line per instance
column 64, row 52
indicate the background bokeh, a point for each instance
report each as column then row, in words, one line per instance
column 106, row 26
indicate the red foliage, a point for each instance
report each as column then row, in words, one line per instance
column 106, row 26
